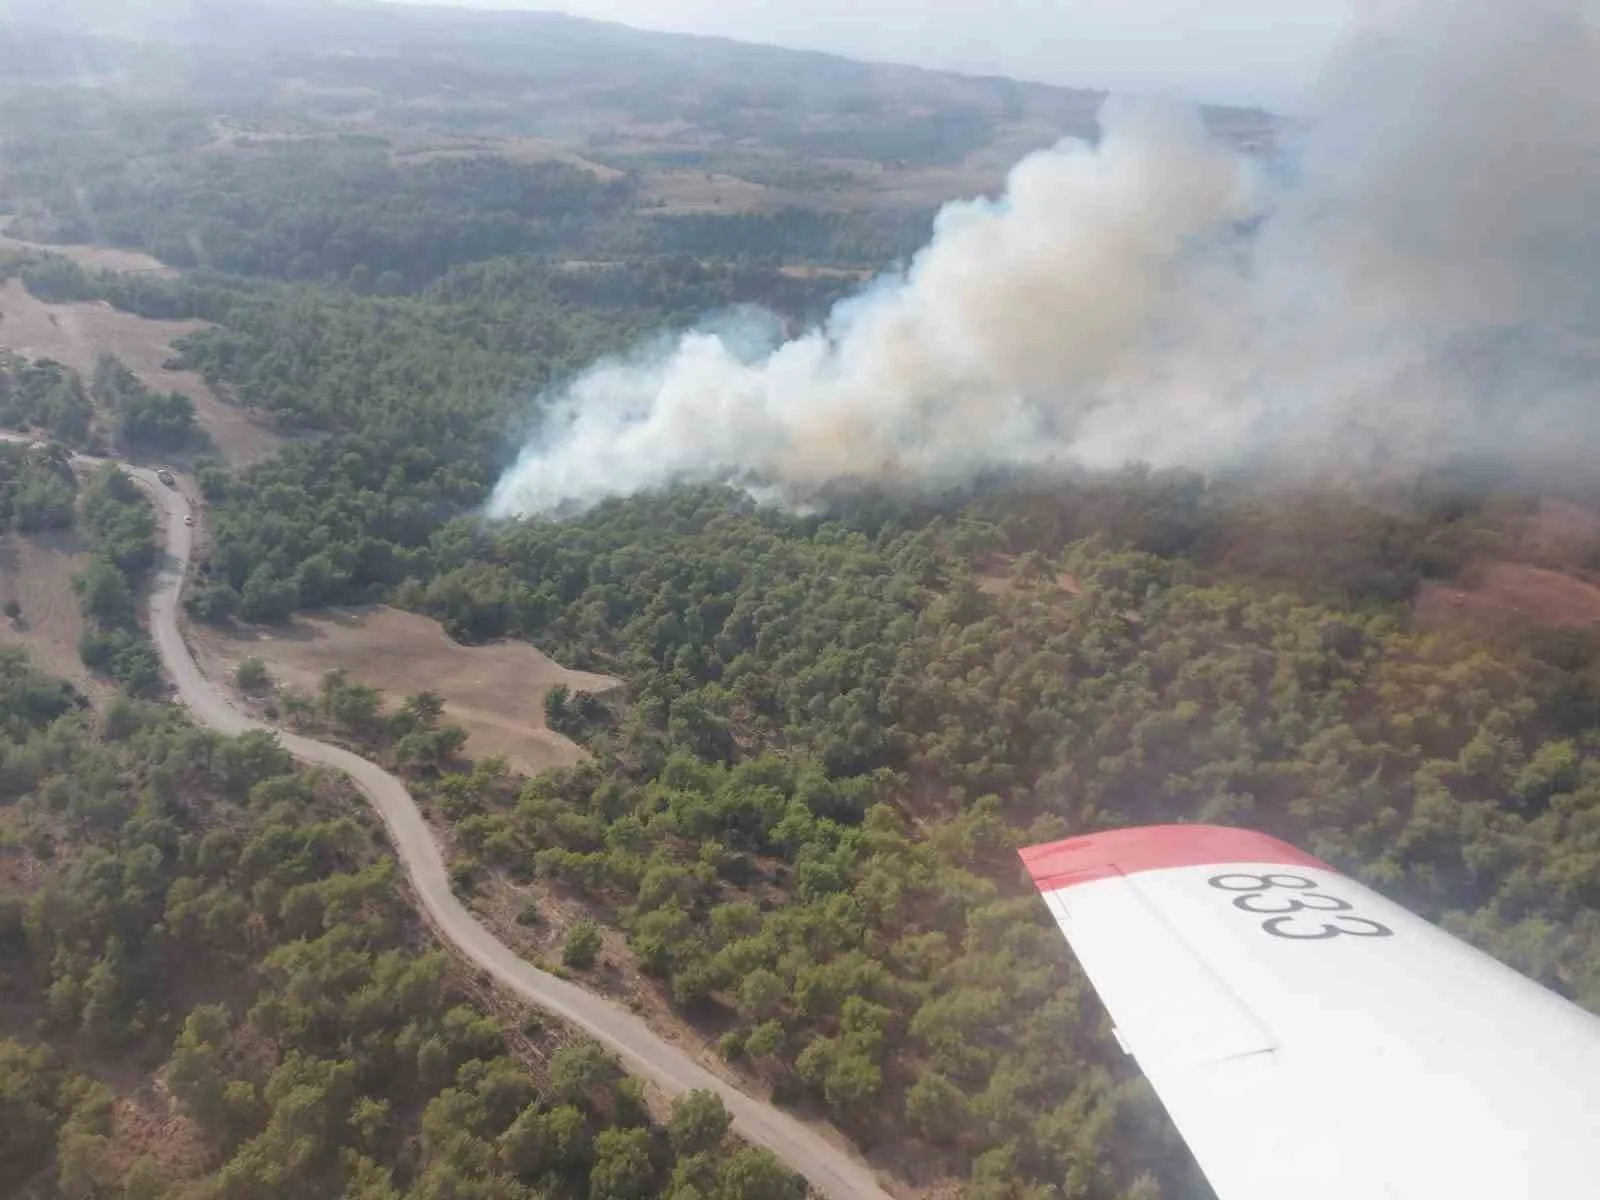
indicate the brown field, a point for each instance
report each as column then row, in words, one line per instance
column 495, row 692
column 36, row 571
column 106, row 258
column 1515, row 590
column 679, row 192
column 877, row 188
column 858, row 274
column 1562, row 532
column 77, row 334
column 884, row 188
column 517, row 149
column 999, row 581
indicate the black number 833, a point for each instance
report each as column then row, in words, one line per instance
column 1289, row 904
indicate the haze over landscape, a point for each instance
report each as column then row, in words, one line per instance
column 548, row 568
column 1160, row 298
column 1232, row 51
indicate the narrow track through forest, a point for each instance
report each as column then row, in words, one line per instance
column 831, row 1170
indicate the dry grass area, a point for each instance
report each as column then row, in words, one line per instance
column 878, row 188
column 77, row 334
column 36, row 571
column 1514, row 590
column 1562, row 532
column 885, row 188
column 495, row 692
column 999, row 581
column 855, row 274
column 105, row 258
column 679, row 192
column 517, row 149
column 148, row 1123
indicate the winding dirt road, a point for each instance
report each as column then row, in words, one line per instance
column 831, row 1170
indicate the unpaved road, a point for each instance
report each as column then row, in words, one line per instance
column 833, row 1171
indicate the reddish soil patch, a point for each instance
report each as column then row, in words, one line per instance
column 495, row 692
column 1518, row 590
column 1562, row 531
column 77, row 334
column 146, row 1123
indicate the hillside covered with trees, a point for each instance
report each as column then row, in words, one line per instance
column 213, row 986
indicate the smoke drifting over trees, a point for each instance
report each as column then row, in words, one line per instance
column 1415, row 279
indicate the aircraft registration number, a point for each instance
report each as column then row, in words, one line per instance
column 1292, row 907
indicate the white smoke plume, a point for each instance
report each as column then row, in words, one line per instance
column 1419, row 277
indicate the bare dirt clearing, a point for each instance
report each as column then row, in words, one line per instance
column 675, row 193
column 495, row 692
column 857, row 274
column 877, row 188
column 106, row 258
column 517, row 149
column 1002, row 582
column 77, row 334
column 1515, row 590
column 1562, row 532
column 36, row 571
column 887, row 189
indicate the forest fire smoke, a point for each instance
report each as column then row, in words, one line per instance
column 1416, row 277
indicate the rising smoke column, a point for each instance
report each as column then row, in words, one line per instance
column 1402, row 280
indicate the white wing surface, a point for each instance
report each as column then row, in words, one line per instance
column 1312, row 1040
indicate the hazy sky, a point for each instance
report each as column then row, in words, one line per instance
column 1244, row 50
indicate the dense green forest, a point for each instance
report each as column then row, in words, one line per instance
column 802, row 811
column 145, row 420
column 312, row 210
column 120, row 528
column 183, row 907
column 45, row 397
column 37, row 490
column 806, row 816
column 342, row 209
column 838, row 727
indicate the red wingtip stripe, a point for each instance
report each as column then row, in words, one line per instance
column 1065, row 864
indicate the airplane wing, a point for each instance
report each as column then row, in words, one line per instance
column 1311, row 1039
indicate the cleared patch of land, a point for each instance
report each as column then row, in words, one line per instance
column 884, row 188
column 859, row 274
column 36, row 571
column 1562, row 532
column 495, row 692
column 106, row 258
column 77, row 334
column 998, row 581
column 1518, row 591
column 411, row 150
column 674, row 193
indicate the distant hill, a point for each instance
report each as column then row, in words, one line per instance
column 819, row 125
